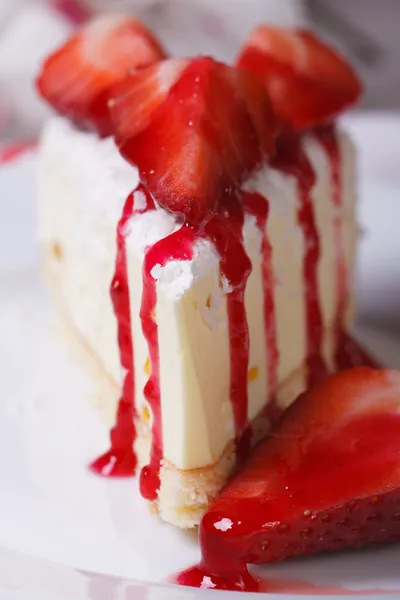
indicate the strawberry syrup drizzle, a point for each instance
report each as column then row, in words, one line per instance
column 349, row 353
column 291, row 159
column 258, row 205
column 120, row 459
column 225, row 230
column 177, row 246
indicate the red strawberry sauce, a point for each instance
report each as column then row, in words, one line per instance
column 348, row 352
column 120, row 460
column 177, row 246
column 224, row 229
column 258, row 206
column 291, row 159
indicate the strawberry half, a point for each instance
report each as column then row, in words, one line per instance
column 327, row 478
column 195, row 129
column 136, row 98
column 308, row 82
column 76, row 79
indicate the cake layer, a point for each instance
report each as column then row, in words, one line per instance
column 83, row 185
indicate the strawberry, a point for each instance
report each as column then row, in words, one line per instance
column 308, row 82
column 139, row 94
column 195, row 129
column 327, row 478
column 76, row 79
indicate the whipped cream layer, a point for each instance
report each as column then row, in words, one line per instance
column 83, row 185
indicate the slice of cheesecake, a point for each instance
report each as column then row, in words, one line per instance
column 228, row 257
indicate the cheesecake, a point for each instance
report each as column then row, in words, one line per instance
column 199, row 243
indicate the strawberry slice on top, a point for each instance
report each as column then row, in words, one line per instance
column 76, row 79
column 308, row 82
column 195, row 128
column 327, row 478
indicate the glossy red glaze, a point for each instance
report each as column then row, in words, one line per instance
column 291, row 159
column 120, row 459
column 225, row 231
column 258, row 206
column 177, row 246
column 349, row 353
column 327, row 137
column 201, row 577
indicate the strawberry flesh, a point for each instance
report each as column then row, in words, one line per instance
column 195, row 129
column 307, row 82
column 327, row 478
column 136, row 98
column 77, row 79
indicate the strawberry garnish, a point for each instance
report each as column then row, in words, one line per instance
column 76, row 79
column 327, row 478
column 195, row 129
column 308, row 82
column 139, row 94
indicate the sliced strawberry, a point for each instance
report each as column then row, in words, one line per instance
column 260, row 110
column 195, row 128
column 308, row 82
column 327, row 478
column 76, row 79
column 135, row 99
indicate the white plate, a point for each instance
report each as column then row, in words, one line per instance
column 65, row 533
